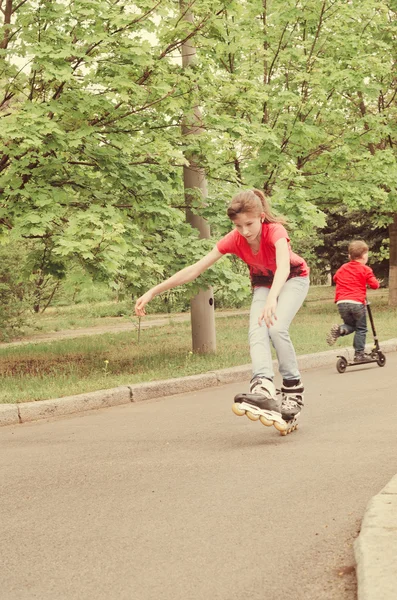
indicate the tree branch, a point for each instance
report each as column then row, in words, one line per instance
column 19, row 5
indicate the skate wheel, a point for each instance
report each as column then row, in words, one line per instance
column 289, row 429
column 252, row 416
column 341, row 365
column 265, row 421
column 237, row 410
column 280, row 426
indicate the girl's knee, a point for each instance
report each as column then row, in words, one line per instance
column 257, row 331
column 279, row 332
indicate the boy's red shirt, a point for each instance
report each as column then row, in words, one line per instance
column 351, row 281
column 262, row 265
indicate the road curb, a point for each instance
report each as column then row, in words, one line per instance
column 9, row 414
column 22, row 412
column 376, row 547
column 44, row 409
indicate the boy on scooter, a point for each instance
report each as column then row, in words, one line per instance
column 352, row 280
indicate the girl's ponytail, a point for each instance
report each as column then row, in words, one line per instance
column 252, row 201
column 262, row 198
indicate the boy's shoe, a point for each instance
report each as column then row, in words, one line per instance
column 261, row 403
column 292, row 399
column 360, row 357
column 333, row 335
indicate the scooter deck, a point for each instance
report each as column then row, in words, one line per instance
column 342, row 363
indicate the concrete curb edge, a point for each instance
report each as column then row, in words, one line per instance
column 22, row 412
column 375, row 548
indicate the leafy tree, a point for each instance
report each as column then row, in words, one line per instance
column 305, row 105
column 297, row 98
column 342, row 227
column 89, row 157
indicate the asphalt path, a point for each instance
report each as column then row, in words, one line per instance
column 179, row 499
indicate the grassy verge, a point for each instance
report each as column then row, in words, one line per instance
column 81, row 316
column 51, row 370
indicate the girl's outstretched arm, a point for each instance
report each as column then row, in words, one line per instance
column 183, row 276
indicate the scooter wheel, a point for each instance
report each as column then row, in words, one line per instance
column 341, row 365
column 381, row 359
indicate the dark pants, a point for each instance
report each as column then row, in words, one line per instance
column 354, row 320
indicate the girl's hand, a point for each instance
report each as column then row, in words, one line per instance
column 268, row 314
column 141, row 303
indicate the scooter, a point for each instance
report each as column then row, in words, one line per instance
column 376, row 355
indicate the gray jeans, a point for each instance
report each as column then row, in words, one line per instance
column 290, row 300
column 354, row 320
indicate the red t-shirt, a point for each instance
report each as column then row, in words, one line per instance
column 262, row 265
column 351, row 281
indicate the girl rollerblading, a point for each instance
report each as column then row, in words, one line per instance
column 280, row 282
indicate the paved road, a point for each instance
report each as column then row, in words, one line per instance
column 179, row 499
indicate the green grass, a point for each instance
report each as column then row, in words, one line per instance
column 61, row 368
column 80, row 316
column 109, row 312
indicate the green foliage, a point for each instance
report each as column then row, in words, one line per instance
column 303, row 99
column 79, row 288
column 15, row 293
column 89, row 138
column 343, row 226
column 297, row 99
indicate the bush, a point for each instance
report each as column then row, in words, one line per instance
column 16, row 295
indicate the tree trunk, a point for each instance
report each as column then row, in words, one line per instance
column 7, row 11
column 393, row 262
column 38, row 293
column 202, row 305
